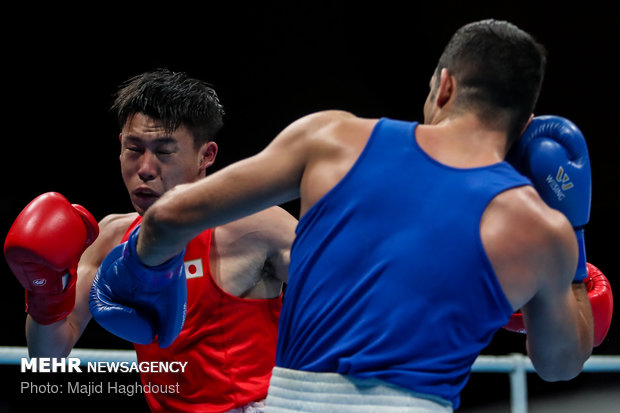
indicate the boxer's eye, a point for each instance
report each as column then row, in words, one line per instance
column 164, row 152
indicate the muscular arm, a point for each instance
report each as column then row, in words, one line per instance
column 560, row 328
column 558, row 317
column 270, row 178
column 57, row 339
column 533, row 250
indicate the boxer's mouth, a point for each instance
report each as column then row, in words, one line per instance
column 144, row 192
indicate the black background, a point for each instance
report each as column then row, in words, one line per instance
column 271, row 63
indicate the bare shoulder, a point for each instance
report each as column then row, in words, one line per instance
column 113, row 226
column 527, row 214
column 328, row 143
column 111, row 230
column 527, row 242
column 327, row 123
column 324, row 118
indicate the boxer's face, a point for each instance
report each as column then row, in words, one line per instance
column 154, row 161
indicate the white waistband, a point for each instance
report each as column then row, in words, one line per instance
column 252, row 407
column 301, row 391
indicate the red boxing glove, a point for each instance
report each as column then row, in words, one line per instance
column 601, row 300
column 45, row 243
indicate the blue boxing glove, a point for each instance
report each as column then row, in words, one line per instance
column 553, row 154
column 136, row 302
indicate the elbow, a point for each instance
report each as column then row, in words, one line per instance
column 559, row 364
column 37, row 352
column 562, row 374
column 562, row 369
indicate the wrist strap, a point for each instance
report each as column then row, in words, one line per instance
column 582, row 269
column 49, row 308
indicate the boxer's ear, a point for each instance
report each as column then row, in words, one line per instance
column 207, row 154
column 447, row 88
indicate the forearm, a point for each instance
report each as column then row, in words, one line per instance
column 53, row 340
column 230, row 194
column 558, row 364
column 559, row 351
column 271, row 177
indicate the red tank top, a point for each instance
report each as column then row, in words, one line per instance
column 229, row 344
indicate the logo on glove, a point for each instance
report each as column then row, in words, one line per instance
column 39, row 282
column 562, row 179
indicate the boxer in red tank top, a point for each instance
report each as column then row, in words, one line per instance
column 232, row 342
column 235, row 272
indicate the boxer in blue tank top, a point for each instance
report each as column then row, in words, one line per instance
column 358, row 251
column 416, row 241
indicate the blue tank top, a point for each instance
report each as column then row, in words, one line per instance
column 388, row 275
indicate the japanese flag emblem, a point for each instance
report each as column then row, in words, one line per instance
column 193, row 269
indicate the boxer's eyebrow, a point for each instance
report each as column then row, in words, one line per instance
column 160, row 139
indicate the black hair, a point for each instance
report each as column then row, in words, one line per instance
column 499, row 70
column 175, row 99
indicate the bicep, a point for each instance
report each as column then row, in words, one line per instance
column 266, row 179
column 555, row 261
column 556, row 317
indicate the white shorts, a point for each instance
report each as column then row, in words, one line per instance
column 253, row 407
column 301, row 391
